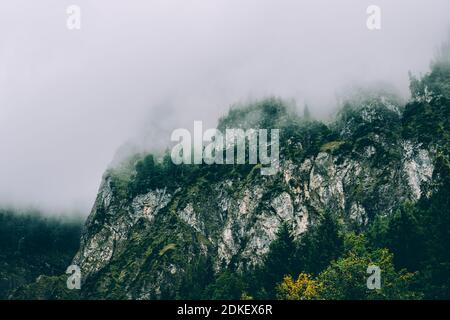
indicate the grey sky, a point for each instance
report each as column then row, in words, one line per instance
column 69, row 99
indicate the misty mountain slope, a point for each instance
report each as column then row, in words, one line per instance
column 153, row 221
column 373, row 182
column 32, row 245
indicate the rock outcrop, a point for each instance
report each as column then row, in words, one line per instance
column 138, row 245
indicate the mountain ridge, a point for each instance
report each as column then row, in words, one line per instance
column 155, row 225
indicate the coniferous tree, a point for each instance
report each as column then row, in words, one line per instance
column 405, row 238
column 321, row 244
column 199, row 274
column 278, row 262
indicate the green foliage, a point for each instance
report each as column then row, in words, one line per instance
column 32, row 245
column 199, row 282
column 419, row 237
column 427, row 117
column 371, row 121
column 331, row 146
column 151, row 174
column 405, row 237
column 321, row 244
column 268, row 113
column 47, row 288
column 434, row 219
column 346, row 277
column 279, row 262
column 227, row 286
column 339, row 260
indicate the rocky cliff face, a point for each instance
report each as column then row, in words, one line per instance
column 139, row 244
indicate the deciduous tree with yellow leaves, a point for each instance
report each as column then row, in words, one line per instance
column 304, row 288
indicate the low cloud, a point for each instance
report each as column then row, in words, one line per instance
column 136, row 71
